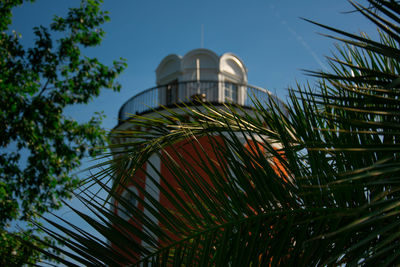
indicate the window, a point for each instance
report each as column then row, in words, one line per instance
column 231, row 92
column 129, row 196
column 172, row 93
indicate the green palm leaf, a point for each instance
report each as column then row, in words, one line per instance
column 328, row 195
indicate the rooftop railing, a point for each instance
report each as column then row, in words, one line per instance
column 187, row 92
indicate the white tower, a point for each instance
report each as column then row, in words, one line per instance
column 199, row 75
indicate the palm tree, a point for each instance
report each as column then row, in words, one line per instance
column 329, row 195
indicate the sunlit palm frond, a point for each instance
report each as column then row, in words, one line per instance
column 311, row 183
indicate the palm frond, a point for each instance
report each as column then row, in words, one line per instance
column 313, row 182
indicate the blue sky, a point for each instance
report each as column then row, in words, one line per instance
column 269, row 36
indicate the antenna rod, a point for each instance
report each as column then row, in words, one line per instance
column 202, row 36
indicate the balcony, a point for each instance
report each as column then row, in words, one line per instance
column 213, row 92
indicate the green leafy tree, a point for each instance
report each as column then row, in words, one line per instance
column 328, row 196
column 40, row 145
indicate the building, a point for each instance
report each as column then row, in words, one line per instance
column 198, row 76
column 199, row 73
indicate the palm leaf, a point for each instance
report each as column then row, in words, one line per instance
column 313, row 182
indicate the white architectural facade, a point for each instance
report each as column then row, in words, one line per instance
column 220, row 78
column 199, row 75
